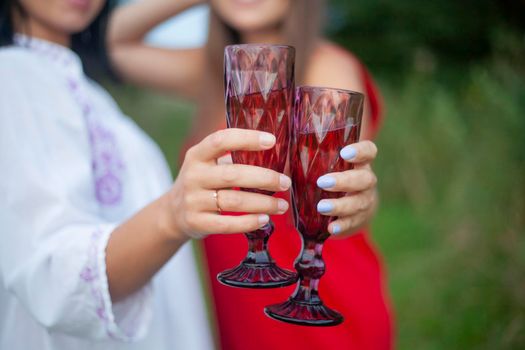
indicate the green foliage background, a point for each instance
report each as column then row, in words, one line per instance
column 451, row 163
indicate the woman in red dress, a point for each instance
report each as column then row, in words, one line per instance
column 354, row 283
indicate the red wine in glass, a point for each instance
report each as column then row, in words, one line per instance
column 259, row 85
column 270, row 114
column 313, row 152
column 325, row 121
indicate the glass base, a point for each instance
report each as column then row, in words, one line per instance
column 303, row 313
column 257, row 276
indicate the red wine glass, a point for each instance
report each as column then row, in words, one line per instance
column 325, row 120
column 259, row 85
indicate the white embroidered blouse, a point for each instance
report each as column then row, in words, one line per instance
column 72, row 167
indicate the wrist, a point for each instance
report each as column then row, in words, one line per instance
column 166, row 223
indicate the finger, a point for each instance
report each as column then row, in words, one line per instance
column 236, row 201
column 362, row 166
column 239, row 201
column 347, row 225
column 222, row 141
column 214, row 223
column 244, row 176
column 226, row 159
column 364, row 151
column 355, row 180
column 347, row 205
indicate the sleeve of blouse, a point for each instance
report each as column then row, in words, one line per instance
column 52, row 239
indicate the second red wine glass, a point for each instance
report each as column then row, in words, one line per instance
column 325, row 121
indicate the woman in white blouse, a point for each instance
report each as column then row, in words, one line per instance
column 93, row 231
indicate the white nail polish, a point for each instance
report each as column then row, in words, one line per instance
column 263, row 219
column 282, row 205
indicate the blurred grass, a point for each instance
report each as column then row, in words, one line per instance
column 451, row 223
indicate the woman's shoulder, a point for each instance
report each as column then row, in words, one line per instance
column 29, row 84
column 11, row 52
column 335, row 53
column 14, row 59
column 19, row 67
column 333, row 66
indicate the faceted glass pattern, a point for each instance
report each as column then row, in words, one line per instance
column 325, row 121
column 259, row 83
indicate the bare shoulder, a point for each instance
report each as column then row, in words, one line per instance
column 333, row 66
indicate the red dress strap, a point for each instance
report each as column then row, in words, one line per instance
column 372, row 93
column 375, row 100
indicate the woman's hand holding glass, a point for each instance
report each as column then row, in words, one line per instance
column 356, row 208
column 204, row 185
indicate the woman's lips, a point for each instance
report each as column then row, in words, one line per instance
column 80, row 4
column 247, row 2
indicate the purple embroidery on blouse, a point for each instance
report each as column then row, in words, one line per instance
column 108, row 189
column 107, row 164
column 90, row 275
column 87, row 274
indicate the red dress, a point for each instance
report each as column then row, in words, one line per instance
column 354, row 285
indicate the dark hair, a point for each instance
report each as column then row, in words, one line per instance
column 89, row 44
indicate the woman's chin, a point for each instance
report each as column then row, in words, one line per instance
column 73, row 24
column 252, row 27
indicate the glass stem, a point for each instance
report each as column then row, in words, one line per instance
column 258, row 245
column 310, row 267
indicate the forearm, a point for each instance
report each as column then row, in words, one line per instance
column 130, row 23
column 139, row 247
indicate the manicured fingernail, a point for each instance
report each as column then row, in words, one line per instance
column 266, row 139
column 282, row 205
column 284, row 182
column 336, row 229
column 263, row 219
column 325, row 206
column 348, row 152
column 326, row 181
